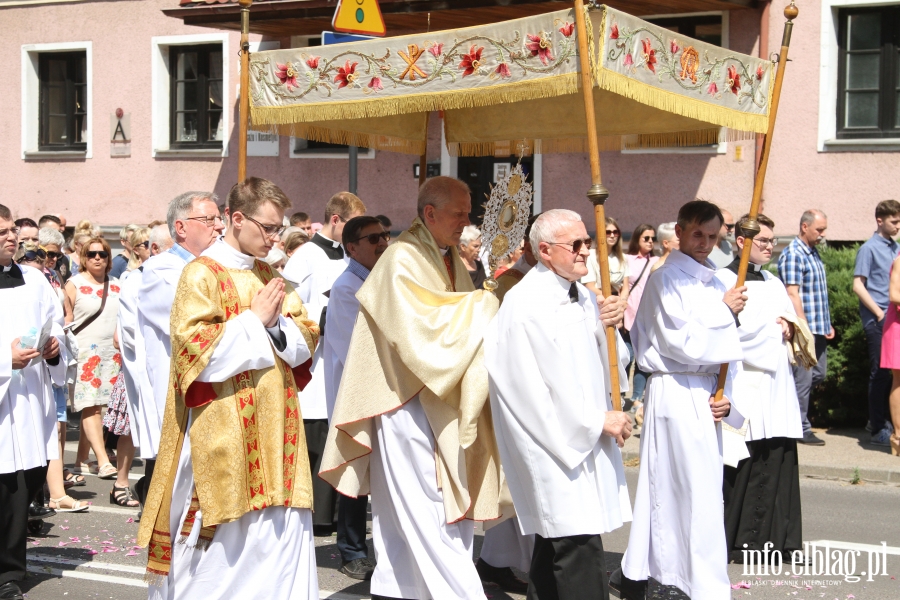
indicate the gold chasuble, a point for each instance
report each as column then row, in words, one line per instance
column 248, row 448
column 420, row 331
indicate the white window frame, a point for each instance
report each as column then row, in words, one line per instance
column 829, row 54
column 31, row 93
column 161, row 94
column 721, row 147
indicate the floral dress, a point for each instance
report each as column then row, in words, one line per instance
column 116, row 418
column 98, row 360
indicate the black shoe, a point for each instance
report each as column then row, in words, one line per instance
column 39, row 511
column 502, row 576
column 358, row 568
column 323, row 530
column 11, row 591
column 810, row 439
column 627, row 589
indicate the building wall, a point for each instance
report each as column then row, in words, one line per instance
column 644, row 187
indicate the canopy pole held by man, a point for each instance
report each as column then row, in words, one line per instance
column 752, row 228
column 598, row 193
column 245, row 89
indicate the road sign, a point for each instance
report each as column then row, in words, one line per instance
column 359, row 16
column 329, row 38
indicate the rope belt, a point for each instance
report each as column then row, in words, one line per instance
column 693, row 373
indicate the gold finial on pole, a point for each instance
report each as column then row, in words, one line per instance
column 752, row 228
column 244, row 111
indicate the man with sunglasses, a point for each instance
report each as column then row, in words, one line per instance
column 365, row 240
column 28, row 438
column 194, row 224
column 722, row 253
column 684, row 331
column 233, row 469
column 313, row 269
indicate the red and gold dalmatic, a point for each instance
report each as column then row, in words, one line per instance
column 248, row 448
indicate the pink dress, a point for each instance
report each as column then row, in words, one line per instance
column 890, row 340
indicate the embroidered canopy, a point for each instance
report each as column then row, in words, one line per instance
column 518, row 81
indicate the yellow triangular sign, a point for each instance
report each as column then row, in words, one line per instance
column 359, row 16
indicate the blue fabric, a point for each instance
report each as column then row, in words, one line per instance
column 802, row 266
column 59, row 395
column 873, row 261
column 357, row 269
column 181, row 253
column 119, row 264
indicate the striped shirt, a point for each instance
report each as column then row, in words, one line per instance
column 802, row 266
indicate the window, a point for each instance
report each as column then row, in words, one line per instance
column 63, row 101
column 196, row 105
column 868, row 103
column 706, row 28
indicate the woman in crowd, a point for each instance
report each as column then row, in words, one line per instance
column 294, row 240
column 667, row 240
column 618, row 268
column 890, row 352
column 92, row 298
column 511, row 259
column 469, row 249
column 139, row 241
column 640, row 259
column 83, row 232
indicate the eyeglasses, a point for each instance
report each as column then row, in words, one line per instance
column 145, row 245
column 613, row 233
column 648, row 238
column 97, row 253
column 269, row 230
column 6, row 232
column 729, row 227
column 374, row 237
column 209, row 221
column 576, row 244
column 763, row 242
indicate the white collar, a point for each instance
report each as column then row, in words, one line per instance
column 8, row 267
column 558, row 292
column 522, row 265
column 229, row 257
column 334, row 244
column 689, row 266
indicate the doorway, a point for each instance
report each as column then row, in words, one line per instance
column 480, row 172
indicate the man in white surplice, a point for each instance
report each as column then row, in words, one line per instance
column 312, row 270
column 28, row 439
column 684, row 330
column 194, row 224
column 546, row 358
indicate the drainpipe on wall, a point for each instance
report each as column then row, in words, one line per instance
column 764, row 54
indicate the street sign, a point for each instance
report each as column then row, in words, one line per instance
column 359, row 16
column 329, row 38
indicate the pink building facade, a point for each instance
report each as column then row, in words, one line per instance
column 128, row 46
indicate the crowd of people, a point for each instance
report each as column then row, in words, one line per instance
column 278, row 376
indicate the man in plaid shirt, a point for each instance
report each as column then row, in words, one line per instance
column 803, row 273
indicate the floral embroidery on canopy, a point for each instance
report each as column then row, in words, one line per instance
column 287, row 75
column 471, row 62
column 540, row 46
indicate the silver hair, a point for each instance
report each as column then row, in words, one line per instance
column 275, row 256
column 160, row 236
column 437, row 191
column 810, row 215
column 469, row 235
column 181, row 207
column 547, row 226
column 666, row 231
column 49, row 235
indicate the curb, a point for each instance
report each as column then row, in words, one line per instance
column 827, row 472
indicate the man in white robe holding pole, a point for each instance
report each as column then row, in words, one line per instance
column 194, row 224
column 684, row 331
column 28, row 439
column 546, row 357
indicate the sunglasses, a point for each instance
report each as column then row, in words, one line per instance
column 95, row 253
column 374, row 237
column 53, row 255
column 576, row 245
column 648, row 238
column 145, row 245
column 729, row 227
column 613, row 233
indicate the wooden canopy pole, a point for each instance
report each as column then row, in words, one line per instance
column 423, row 160
column 244, row 111
column 752, row 228
column 598, row 193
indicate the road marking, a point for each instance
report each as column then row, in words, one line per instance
column 871, row 548
column 88, row 564
column 131, row 476
column 131, row 512
column 89, row 576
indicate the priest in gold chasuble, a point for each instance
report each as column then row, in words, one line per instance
column 411, row 424
column 229, row 514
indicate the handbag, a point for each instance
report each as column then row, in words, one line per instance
column 94, row 316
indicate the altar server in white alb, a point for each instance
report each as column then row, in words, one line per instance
column 365, row 240
column 28, row 439
column 312, row 270
column 762, row 495
column 194, row 224
column 684, row 330
column 546, row 356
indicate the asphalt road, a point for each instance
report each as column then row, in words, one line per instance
column 93, row 555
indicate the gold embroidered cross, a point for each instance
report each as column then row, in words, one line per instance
column 411, row 69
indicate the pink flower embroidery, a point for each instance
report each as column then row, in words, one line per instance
column 567, row 29
column 313, row 62
column 713, row 89
column 759, row 72
column 85, row 290
column 286, row 75
column 436, row 49
column 629, row 61
column 472, row 61
column 503, row 70
column 674, row 47
column 540, row 46
column 614, row 31
column 346, row 75
column 649, row 55
column 734, row 80
column 375, row 84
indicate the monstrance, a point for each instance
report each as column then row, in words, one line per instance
column 505, row 219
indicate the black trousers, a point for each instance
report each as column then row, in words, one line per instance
column 568, row 568
column 142, row 485
column 324, row 496
column 351, row 527
column 17, row 490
